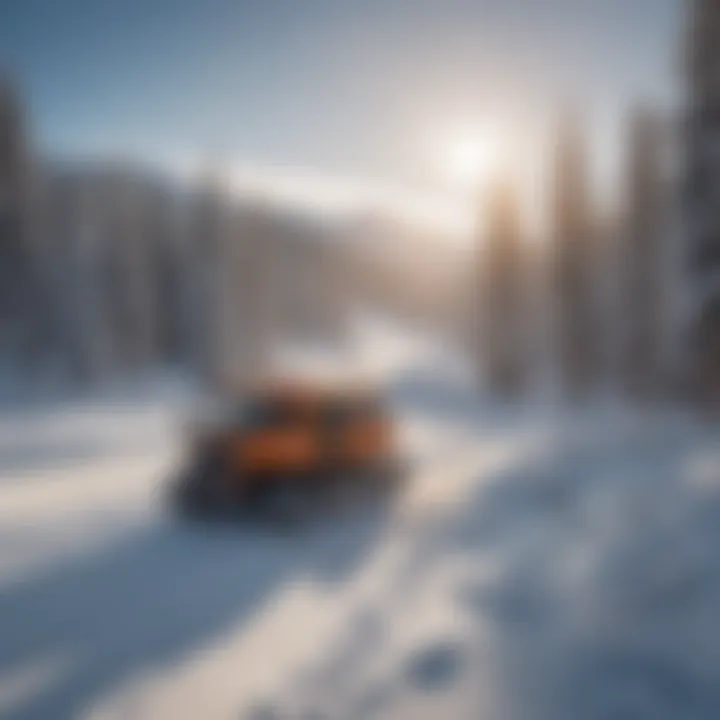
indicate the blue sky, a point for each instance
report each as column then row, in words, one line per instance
column 351, row 87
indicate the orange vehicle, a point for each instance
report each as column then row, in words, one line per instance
column 283, row 443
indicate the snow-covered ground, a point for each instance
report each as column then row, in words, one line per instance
column 539, row 564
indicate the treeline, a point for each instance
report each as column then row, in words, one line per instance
column 109, row 271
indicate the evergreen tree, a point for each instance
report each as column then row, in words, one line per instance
column 206, row 267
column 643, row 258
column 502, row 342
column 574, row 255
column 14, row 249
column 702, row 196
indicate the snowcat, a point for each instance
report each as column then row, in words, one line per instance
column 283, row 448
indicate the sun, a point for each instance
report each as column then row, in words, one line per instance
column 468, row 160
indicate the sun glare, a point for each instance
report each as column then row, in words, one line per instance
column 469, row 160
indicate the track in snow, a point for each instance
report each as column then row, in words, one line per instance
column 533, row 569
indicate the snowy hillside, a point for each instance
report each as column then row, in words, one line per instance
column 539, row 565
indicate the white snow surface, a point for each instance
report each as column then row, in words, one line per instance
column 539, row 564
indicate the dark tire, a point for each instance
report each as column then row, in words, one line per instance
column 390, row 474
column 194, row 493
column 283, row 502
